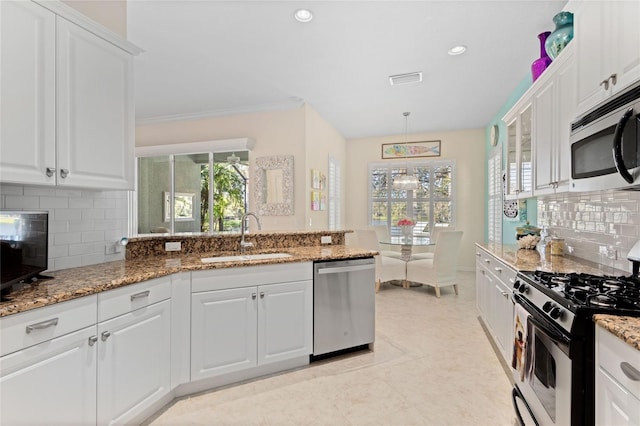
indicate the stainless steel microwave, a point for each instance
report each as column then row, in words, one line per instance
column 605, row 145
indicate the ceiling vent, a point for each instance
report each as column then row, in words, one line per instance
column 412, row 77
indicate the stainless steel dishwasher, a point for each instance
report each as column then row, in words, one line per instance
column 344, row 306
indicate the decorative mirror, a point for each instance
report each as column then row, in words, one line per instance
column 274, row 185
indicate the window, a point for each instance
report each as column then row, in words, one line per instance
column 495, row 186
column 430, row 206
column 194, row 192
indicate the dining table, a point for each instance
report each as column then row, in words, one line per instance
column 407, row 243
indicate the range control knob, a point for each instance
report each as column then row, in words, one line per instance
column 516, row 285
column 547, row 307
column 555, row 312
column 523, row 288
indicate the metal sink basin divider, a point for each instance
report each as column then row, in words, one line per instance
column 245, row 257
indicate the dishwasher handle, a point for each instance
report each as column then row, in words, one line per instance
column 342, row 269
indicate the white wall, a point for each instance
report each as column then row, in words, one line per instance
column 466, row 147
column 109, row 13
column 322, row 140
column 300, row 132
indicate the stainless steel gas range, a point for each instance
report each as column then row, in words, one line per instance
column 554, row 342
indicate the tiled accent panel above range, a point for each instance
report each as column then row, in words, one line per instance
column 598, row 226
column 81, row 222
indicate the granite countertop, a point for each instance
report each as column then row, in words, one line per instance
column 530, row 260
column 78, row 282
column 625, row 328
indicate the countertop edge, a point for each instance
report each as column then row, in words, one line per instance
column 626, row 329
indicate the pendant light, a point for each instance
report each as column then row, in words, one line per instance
column 406, row 182
column 233, row 159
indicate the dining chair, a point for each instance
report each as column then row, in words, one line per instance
column 387, row 268
column 441, row 270
column 433, row 236
column 383, row 235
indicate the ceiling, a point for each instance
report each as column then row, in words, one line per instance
column 216, row 58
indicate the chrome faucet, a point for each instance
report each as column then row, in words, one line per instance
column 244, row 244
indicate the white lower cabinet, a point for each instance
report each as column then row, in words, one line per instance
column 48, row 365
column 494, row 284
column 248, row 326
column 617, row 381
column 134, row 362
column 51, row 383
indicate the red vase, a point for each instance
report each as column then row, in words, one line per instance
column 539, row 65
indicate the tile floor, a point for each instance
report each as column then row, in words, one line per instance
column 432, row 365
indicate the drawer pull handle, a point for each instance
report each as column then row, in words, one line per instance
column 41, row 325
column 139, row 295
column 487, row 261
column 630, row 371
column 478, row 254
column 105, row 336
column 93, row 340
column 497, row 269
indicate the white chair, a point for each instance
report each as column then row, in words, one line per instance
column 387, row 268
column 433, row 236
column 440, row 271
column 383, row 235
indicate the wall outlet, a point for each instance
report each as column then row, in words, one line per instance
column 110, row 249
column 173, row 246
column 326, row 239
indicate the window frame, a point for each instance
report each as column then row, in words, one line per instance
column 410, row 166
column 172, row 150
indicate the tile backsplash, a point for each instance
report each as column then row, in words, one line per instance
column 82, row 223
column 598, row 226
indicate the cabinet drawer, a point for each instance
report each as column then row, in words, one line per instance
column 501, row 270
column 615, row 356
column 226, row 278
column 126, row 299
column 29, row 328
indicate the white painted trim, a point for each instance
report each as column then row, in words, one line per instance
column 291, row 103
column 220, row 145
column 72, row 15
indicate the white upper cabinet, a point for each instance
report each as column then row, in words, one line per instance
column 519, row 183
column 554, row 109
column 66, row 99
column 608, row 54
column 95, row 110
column 27, row 93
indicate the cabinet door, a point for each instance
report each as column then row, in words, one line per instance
column 134, row 362
column 593, row 55
column 544, row 133
column 95, row 110
column 223, row 331
column 615, row 404
column 565, row 111
column 27, row 87
column 285, row 321
column 504, row 318
column 625, row 42
column 53, row 382
column 512, row 160
column 525, row 173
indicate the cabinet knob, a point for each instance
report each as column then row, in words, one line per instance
column 497, row 269
column 614, row 78
column 93, row 340
column 105, row 335
column 50, row 171
column 262, row 295
column 253, row 296
column 605, row 83
column 64, row 173
column 487, row 261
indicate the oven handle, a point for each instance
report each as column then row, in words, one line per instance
column 618, row 159
column 559, row 337
column 515, row 393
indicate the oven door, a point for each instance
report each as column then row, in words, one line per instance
column 605, row 153
column 545, row 386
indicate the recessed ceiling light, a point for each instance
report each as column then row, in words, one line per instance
column 303, row 15
column 457, row 50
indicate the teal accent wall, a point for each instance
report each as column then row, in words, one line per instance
column 508, row 227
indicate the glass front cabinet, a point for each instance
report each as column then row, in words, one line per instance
column 518, row 175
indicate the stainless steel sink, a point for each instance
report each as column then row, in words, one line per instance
column 245, row 257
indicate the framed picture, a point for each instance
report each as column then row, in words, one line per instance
column 411, row 149
column 315, row 200
column 183, row 203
